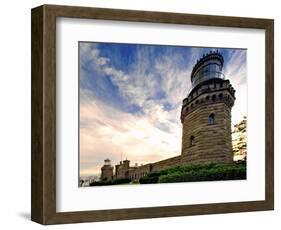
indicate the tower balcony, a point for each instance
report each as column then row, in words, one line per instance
column 208, row 67
column 211, row 91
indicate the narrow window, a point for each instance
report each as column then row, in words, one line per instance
column 211, row 119
column 192, row 140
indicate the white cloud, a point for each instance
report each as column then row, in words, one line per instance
column 108, row 133
column 236, row 72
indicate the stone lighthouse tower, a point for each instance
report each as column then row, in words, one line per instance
column 107, row 171
column 206, row 114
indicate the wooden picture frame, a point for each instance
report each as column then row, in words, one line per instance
column 43, row 189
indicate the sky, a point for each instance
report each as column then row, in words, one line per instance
column 131, row 97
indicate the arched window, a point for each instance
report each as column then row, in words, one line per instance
column 192, row 140
column 220, row 95
column 211, row 119
column 214, row 97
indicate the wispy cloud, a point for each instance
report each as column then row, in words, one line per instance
column 107, row 133
column 236, row 72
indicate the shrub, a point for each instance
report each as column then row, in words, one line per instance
column 111, row 182
column 203, row 172
column 227, row 172
column 121, row 181
column 149, row 179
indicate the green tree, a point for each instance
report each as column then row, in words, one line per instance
column 239, row 140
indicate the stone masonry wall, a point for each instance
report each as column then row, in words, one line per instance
column 138, row 172
column 107, row 172
column 212, row 142
column 122, row 170
column 167, row 163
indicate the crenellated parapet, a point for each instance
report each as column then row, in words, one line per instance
column 209, row 92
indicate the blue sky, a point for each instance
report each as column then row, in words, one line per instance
column 131, row 95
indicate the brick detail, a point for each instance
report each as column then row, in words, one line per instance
column 212, row 142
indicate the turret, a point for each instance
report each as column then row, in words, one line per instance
column 206, row 113
column 107, row 171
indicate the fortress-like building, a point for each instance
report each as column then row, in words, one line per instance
column 206, row 123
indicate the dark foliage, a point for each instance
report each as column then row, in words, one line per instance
column 111, row 182
column 149, row 179
column 207, row 172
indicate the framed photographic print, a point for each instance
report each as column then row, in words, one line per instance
column 141, row 114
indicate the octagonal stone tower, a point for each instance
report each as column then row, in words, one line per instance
column 107, row 171
column 206, row 114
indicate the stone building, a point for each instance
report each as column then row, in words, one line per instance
column 107, row 171
column 122, row 169
column 206, row 122
column 206, row 114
